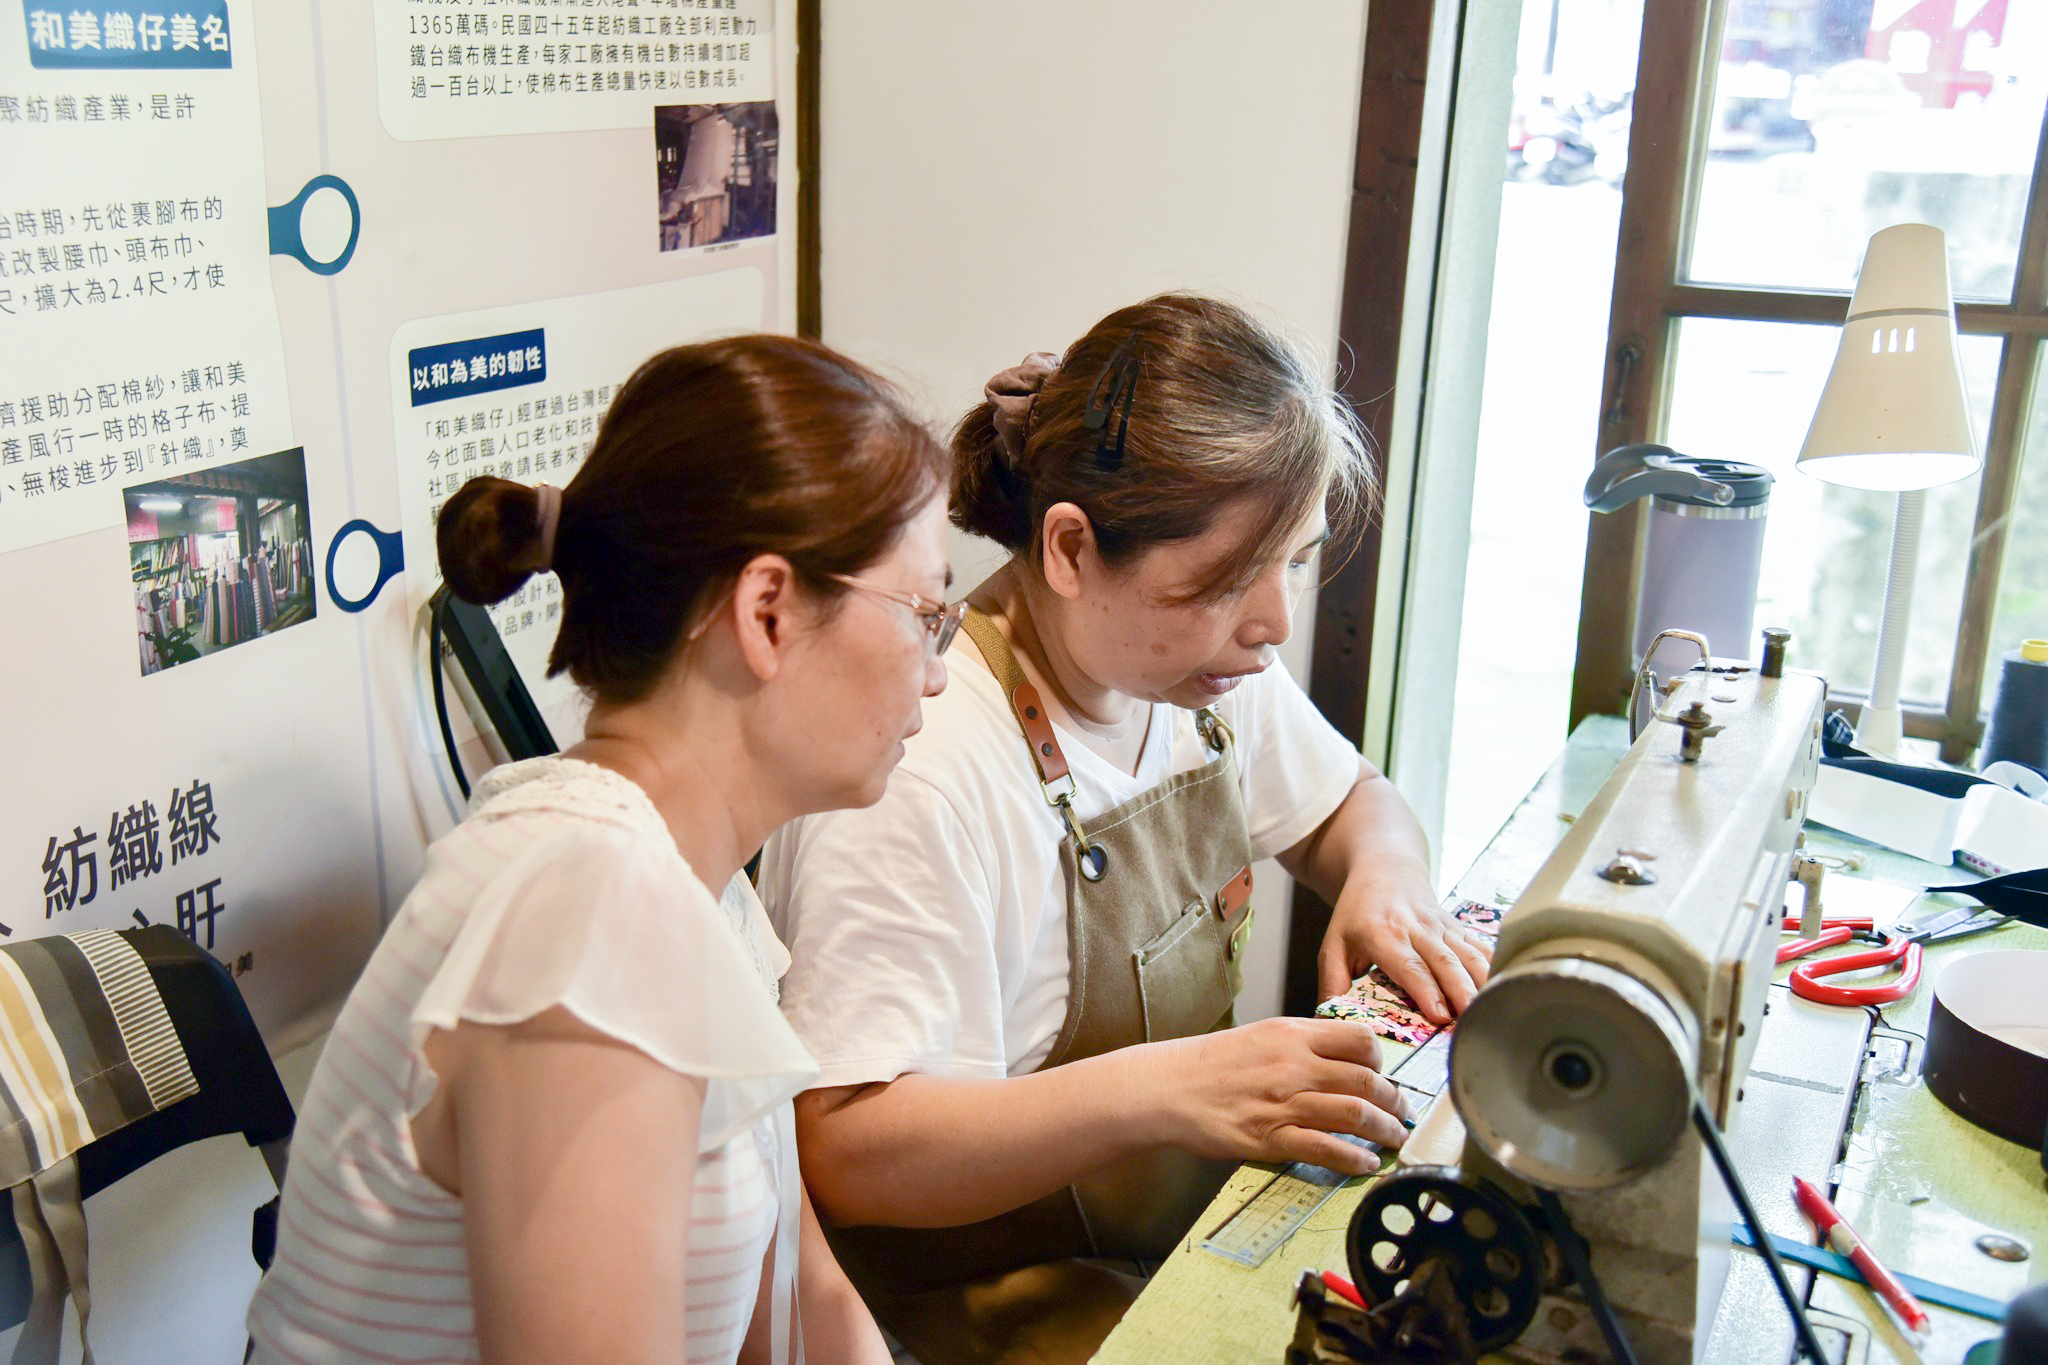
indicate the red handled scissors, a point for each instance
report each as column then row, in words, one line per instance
column 1832, row 933
column 1900, row 946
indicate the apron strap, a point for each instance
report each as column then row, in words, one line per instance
column 1024, row 700
column 1055, row 778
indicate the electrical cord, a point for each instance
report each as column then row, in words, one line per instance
column 1580, row 1263
column 1710, row 1135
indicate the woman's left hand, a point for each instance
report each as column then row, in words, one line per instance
column 1396, row 924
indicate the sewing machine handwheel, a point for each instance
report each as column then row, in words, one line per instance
column 1424, row 1212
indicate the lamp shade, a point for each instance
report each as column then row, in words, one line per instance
column 1893, row 416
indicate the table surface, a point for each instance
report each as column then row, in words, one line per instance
column 1919, row 1182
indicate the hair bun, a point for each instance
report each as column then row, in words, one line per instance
column 489, row 539
column 990, row 496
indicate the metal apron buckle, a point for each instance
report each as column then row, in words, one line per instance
column 1090, row 859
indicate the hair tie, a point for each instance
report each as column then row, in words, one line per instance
column 1011, row 396
column 549, row 510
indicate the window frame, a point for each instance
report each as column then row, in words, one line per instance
column 1676, row 67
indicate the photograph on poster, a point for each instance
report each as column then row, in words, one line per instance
column 219, row 557
column 715, row 172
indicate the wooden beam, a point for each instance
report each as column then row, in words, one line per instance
column 1828, row 309
column 1389, row 147
column 810, row 309
column 1656, row 223
column 2018, row 369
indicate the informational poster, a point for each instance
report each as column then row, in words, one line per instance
column 275, row 280
column 136, row 314
column 518, row 393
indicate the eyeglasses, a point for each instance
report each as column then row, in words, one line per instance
column 941, row 622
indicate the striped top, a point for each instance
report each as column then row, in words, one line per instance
column 563, row 887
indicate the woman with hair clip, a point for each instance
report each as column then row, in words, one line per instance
column 552, row 1123
column 1017, row 970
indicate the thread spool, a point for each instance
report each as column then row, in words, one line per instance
column 2019, row 711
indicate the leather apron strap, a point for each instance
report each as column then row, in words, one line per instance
column 1158, row 907
column 1055, row 779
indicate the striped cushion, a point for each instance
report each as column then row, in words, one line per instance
column 86, row 1047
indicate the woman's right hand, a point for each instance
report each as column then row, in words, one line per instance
column 1275, row 1090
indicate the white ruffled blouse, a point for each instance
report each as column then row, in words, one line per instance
column 562, row 887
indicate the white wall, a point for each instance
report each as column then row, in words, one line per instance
column 997, row 177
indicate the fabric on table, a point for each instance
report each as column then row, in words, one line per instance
column 1374, row 999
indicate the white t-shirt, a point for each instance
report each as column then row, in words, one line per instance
column 928, row 932
column 563, row 887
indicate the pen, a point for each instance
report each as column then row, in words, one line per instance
column 1836, row 1232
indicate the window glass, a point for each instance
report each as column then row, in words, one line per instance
column 2022, row 611
column 1746, row 391
column 1539, row 409
column 1834, row 118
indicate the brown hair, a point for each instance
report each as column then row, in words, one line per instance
column 710, row 455
column 1223, row 409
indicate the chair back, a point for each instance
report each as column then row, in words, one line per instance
column 116, row 1046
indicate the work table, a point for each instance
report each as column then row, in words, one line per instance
column 1919, row 1182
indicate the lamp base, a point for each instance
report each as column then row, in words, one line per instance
column 1881, row 731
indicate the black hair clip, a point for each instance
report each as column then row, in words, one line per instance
column 1114, row 391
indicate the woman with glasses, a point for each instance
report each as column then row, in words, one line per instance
column 1017, row 969
column 553, row 1122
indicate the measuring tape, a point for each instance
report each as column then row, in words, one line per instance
column 1277, row 1209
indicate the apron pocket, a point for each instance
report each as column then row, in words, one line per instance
column 1184, row 982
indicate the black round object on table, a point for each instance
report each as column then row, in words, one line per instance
column 2026, row 1329
column 1996, row 1084
column 1423, row 1213
column 2019, row 710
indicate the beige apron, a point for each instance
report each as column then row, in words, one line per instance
column 1158, row 909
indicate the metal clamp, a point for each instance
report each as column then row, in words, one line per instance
column 1090, row 860
column 1698, row 724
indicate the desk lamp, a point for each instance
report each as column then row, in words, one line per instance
column 1893, row 419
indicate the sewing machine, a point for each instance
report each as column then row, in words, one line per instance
column 1630, row 978
column 1824, row 1095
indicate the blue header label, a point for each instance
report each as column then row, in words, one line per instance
column 148, row 35
column 458, row 369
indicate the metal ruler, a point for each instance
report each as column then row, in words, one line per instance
column 1277, row 1209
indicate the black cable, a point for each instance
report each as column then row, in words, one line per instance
column 1710, row 1134
column 1580, row 1263
column 440, row 696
